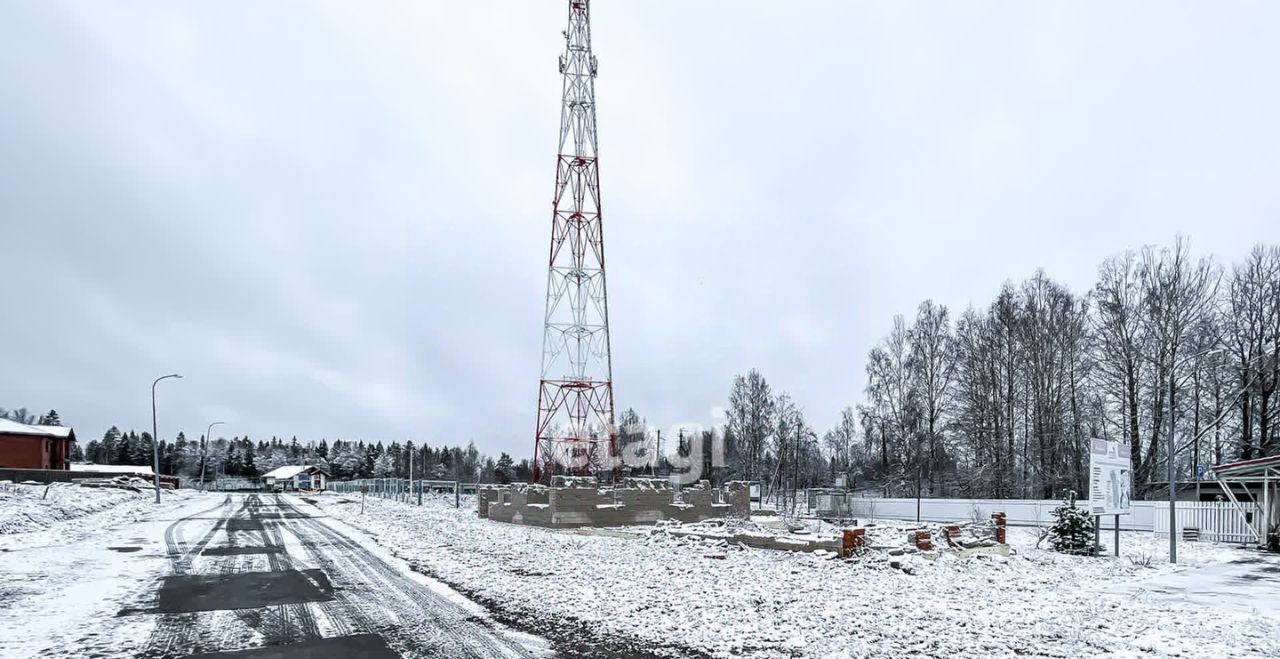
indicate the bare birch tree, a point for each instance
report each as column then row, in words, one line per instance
column 751, row 421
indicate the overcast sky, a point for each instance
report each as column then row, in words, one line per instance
column 332, row 218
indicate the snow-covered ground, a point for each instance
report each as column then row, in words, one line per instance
column 63, row 584
column 697, row 597
column 32, row 516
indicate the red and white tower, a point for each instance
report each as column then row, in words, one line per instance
column 575, row 431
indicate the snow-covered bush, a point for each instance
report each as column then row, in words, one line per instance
column 1072, row 530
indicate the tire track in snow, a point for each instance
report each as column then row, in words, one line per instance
column 369, row 595
column 449, row 628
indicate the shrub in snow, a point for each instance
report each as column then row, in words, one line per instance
column 1072, row 530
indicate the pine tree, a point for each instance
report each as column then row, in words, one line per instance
column 399, row 460
column 346, row 462
column 108, row 449
column 370, row 455
column 383, row 466
column 1072, row 533
column 502, row 471
column 186, row 455
column 124, row 447
column 165, row 452
column 139, row 448
column 470, row 463
column 250, row 469
column 50, row 419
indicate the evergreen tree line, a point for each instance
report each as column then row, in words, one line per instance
column 244, row 457
column 248, row 458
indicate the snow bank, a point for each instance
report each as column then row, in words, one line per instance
column 27, row 509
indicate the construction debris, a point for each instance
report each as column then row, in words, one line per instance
column 132, row 483
column 816, row 536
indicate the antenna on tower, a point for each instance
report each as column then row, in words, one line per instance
column 575, row 427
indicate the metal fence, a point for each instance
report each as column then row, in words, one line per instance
column 831, row 503
column 404, row 490
column 236, row 485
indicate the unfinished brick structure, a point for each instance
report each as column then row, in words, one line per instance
column 575, row 501
column 922, row 540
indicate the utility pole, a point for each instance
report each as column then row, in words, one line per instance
column 155, row 435
column 657, row 458
column 1173, row 487
column 575, row 424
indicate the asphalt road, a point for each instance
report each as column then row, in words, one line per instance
column 248, row 577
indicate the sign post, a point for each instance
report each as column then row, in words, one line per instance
column 1110, row 480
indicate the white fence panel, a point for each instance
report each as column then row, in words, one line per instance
column 1018, row 512
column 1217, row 521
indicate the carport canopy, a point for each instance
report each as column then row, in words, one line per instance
column 1261, row 473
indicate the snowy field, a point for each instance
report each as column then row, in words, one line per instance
column 31, row 516
column 679, row 597
column 69, row 560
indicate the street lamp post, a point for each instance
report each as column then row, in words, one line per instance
column 204, row 450
column 155, row 435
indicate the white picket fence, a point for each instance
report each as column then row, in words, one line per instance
column 1216, row 521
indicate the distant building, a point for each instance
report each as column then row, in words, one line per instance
column 25, row 446
column 297, row 477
